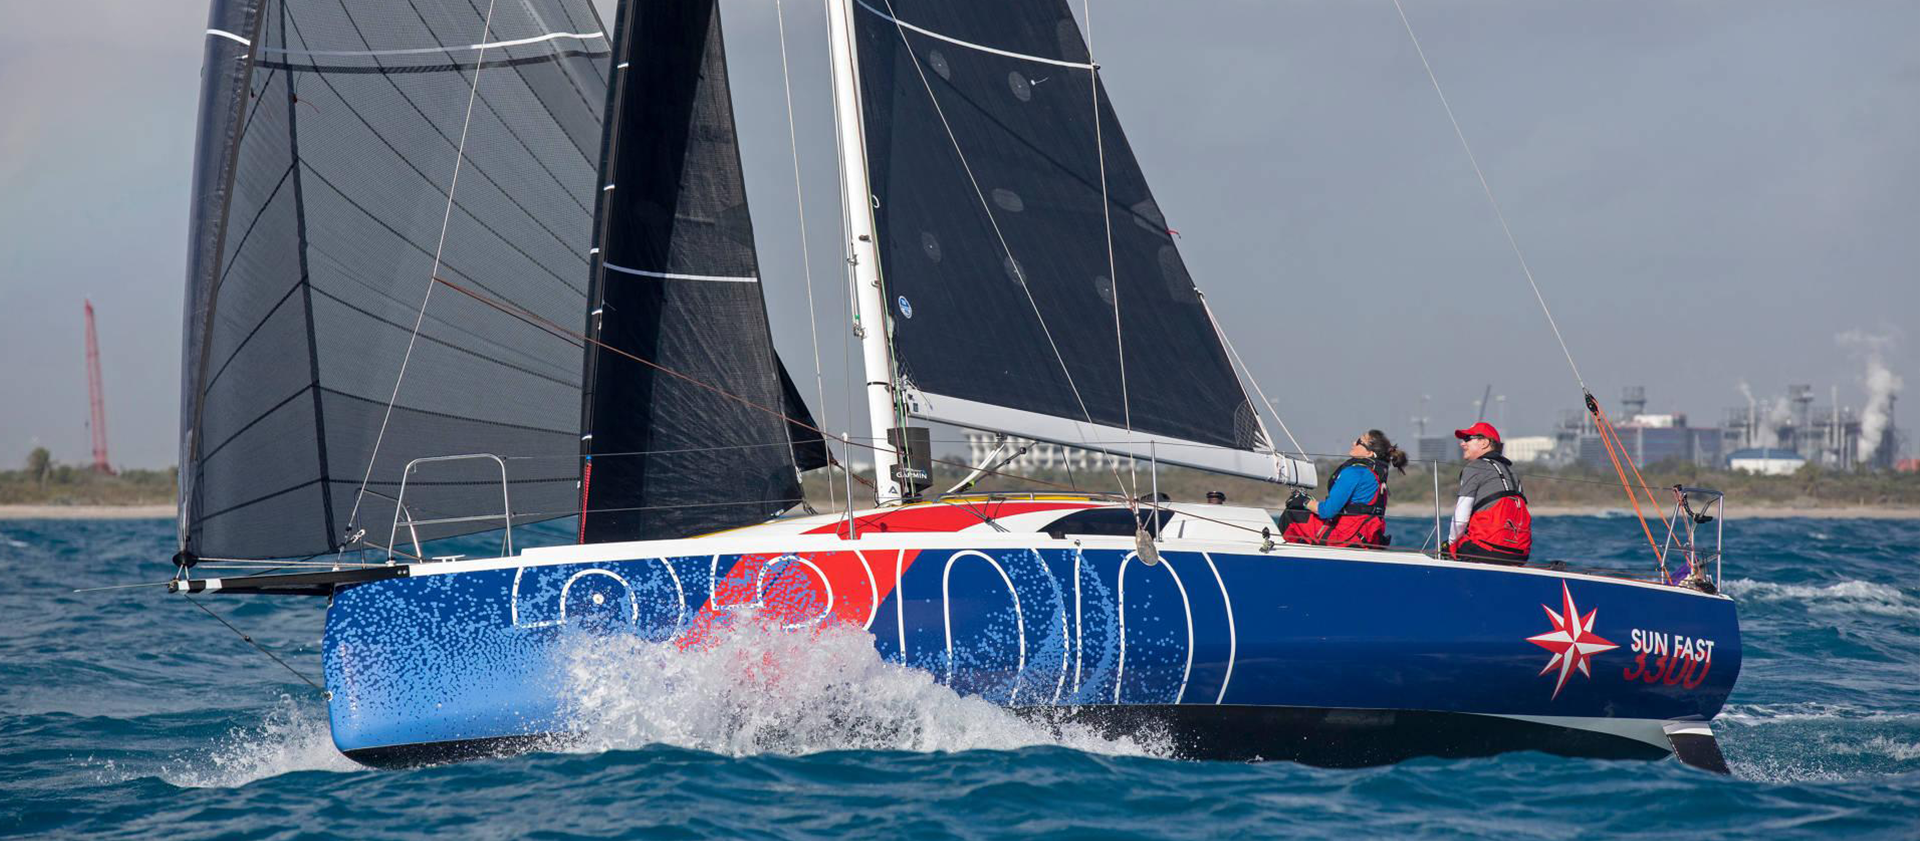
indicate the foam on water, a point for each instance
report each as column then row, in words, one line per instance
column 757, row 688
column 1758, row 714
column 292, row 737
column 1865, row 596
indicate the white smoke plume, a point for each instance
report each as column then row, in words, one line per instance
column 1767, row 418
column 1881, row 384
column 1779, row 414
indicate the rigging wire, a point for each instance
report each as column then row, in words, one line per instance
column 1133, row 502
column 852, row 307
column 800, row 203
column 446, row 218
column 1512, row 241
column 896, row 394
column 261, row 648
column 1257, row 390
column 535, row 320
column 1593, row 406
column 1113, row 272
column 1013, row 266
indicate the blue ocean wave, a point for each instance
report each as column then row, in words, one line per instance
column 131, row 714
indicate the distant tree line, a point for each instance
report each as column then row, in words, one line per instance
column 44, row 481
column 1571, row 486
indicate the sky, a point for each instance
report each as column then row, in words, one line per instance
column 1708, row 192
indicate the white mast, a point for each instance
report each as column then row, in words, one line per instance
column 863, row 256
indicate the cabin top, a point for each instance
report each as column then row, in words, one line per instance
column 1055, row 515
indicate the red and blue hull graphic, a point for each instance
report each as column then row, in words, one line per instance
column 1333, row 657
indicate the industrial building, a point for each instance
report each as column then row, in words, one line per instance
column 1762, row 436
column 1044, row 456
column 1648, row 438
column 1830, row 436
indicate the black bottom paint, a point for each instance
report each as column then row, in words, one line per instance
column 1332, row 738
column 462, row 750
column 1339, row 738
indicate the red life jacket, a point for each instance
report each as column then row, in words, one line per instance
column 1500, row 520
column 1358, row 523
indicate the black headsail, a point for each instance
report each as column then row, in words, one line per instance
column 986, row 173
column 331, row 134
column 684, row 396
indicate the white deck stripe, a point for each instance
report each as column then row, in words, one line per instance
column 490, row 45
column 972, row 46
column 672, row 276
column 230, row 36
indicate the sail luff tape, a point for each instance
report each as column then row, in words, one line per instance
column 490, row 45
column 674, row 276
column 973, row 46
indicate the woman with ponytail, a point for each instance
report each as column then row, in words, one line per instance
column 1354, row 512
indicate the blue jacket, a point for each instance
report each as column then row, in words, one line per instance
column 1352, row 485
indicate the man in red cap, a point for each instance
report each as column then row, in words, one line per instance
column 1490, row 519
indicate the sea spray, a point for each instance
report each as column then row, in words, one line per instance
column 760, row 689
column 292, row 736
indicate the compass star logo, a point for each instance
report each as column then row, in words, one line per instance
column 1572, row 640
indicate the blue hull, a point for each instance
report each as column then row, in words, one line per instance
column 1242, row 651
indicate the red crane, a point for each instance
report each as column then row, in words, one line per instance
column 99, row 422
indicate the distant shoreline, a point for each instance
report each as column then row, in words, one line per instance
column 87, row 512
column 1850, row 512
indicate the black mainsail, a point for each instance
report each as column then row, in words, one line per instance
column 681, row 415
column 330, row 138
column 986, row 161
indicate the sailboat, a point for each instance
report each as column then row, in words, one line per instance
column 461, row 267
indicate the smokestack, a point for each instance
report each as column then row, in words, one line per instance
column 1753, row 415
column 1633, row 401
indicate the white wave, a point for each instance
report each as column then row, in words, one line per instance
column 755, row 689
column 1784, row 771
column 1758, row 714
column 1881, row 746
column 291, row 738
column 1863, row 596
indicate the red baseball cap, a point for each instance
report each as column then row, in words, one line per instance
column 1481, row 428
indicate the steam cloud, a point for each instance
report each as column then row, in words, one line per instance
column 1881, row 383
column 1768, row 417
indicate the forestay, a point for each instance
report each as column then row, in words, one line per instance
column 330, row 136
column 986, row 171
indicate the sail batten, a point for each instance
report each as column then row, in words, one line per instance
column 1030, row 274
column 676, row 284
column 328, row 145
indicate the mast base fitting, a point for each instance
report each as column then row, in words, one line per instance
column 185, row 559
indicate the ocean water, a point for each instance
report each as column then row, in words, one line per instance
column 132, row 714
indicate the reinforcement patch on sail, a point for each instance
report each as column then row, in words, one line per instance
column 332, row 134
column 703, row 447
column 986, row 174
